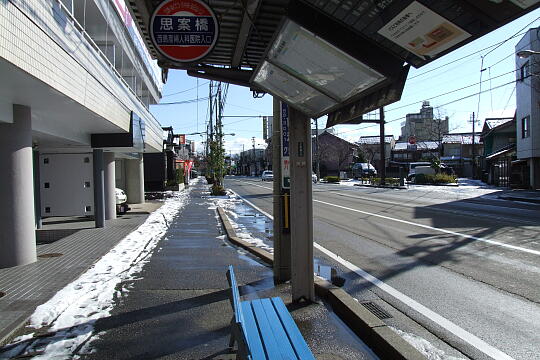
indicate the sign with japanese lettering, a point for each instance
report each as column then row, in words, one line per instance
column 285, row 150
column 422, row 31
column 184, row 30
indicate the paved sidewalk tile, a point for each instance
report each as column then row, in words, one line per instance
column 59, row 263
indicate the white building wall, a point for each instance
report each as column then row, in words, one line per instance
column 39, row 38
column 528, row 97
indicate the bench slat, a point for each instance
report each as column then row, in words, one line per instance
column 285, row 347
column 251, row 332
column 235, row 295
column 270, row 343
column 300, row 346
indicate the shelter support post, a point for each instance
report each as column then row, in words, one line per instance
column 301, row 207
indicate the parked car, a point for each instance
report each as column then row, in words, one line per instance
column 121, row 201
column 360, row 170
column 313, row 177
column 425, row 168
column 267, row 175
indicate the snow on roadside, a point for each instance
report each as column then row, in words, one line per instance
column 70, row 315
column 229, row 203
column 424, row 346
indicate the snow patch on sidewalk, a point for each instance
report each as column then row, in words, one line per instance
column 69, row 316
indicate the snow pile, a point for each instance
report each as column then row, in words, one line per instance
column 424, row 346
column 70, row 315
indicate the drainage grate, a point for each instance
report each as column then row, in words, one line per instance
column 376, row 310
column 49, row 255
column 2, row 294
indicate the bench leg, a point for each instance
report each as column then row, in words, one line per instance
column 234, row 329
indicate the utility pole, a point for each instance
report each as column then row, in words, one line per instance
column 382, row 146
column 317, row 160
column 254, row 159
column 473, row 148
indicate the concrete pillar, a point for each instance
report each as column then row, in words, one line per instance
column 301, row 207
column 110, row 185
column 135, row 180
column 17, row 221
column 37, row 191
column 99, row 188
column 282, row 235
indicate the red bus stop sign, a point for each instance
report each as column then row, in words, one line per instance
column 184, row 30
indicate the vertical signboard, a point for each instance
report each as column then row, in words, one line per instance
column 285, row 150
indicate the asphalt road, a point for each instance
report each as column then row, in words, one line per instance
column 464, row 267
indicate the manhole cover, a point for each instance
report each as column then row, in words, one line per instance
column 49, row 255
column 2, row 294
column 376, row 310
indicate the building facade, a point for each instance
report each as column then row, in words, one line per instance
column 74, row 96
column 527, row 103
column 423, row 126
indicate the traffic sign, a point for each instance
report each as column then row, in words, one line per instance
column 184, row 30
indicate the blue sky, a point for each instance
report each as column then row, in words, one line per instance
column 457, row 75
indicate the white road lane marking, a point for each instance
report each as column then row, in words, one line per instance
column 433, row 316
column 492, row 242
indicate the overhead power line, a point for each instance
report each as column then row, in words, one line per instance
column 448, row 103
column 190, row 101
column 183, row 91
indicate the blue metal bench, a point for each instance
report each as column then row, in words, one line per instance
column 264, row 329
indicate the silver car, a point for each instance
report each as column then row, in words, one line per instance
column 267, row 175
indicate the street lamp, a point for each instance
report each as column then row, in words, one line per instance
column 524, row 54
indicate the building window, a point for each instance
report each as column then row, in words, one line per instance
column 524, row 71
column 526, row 127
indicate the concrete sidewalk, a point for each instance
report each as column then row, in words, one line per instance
column 179, row 309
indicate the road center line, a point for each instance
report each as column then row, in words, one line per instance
column 433, row 316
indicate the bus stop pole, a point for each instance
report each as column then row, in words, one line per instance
column 281, row 236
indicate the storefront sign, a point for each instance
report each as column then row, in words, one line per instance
column 184, row 30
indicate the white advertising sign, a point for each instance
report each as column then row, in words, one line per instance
column 422, row 31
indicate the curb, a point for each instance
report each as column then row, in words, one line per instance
column 382, row 187
column 374, row 332
column 518, row 198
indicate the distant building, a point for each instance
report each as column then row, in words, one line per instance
column 335, row 154
column 499, row 137
column 422, row 126
column 404, row 152
column 370, row 146
column 457, row 152
column 528, row 112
